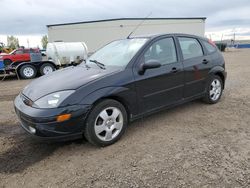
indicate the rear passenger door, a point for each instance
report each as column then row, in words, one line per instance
column 196, row 66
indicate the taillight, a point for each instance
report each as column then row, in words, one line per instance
column 212, row 43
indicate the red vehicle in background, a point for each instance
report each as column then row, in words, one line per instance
column 18, row 55
column 25, row 63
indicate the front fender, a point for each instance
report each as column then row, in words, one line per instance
column 125, row 95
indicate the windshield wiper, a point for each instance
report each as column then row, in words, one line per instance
column 101, row 65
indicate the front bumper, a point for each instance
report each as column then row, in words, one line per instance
column 42, row 124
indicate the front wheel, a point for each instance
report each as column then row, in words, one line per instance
column 106, row 123
column 214, row 90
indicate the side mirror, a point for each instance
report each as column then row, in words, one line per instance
column 151, row 64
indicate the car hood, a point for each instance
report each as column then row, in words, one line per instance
column 69, row 78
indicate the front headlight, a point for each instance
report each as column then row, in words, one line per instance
column 52, row 100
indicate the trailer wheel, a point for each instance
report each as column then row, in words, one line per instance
column 27, row 71
column 47, row 68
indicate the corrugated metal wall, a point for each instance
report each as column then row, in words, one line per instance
column 97, row 34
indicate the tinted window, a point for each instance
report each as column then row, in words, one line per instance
column 190, row 47
column 210, row 48
column 162, row 50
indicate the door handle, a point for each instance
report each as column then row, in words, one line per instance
column 205, row 61
column 174, row 70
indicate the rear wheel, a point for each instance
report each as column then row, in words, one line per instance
column 46, row 68
column 106, row 123
column 28, row 71
column 214, row 90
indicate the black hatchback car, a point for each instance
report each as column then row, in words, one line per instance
column 125, row 80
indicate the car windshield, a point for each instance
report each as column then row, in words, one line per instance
column 117, row 53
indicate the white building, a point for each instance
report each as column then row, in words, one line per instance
column 97, row 33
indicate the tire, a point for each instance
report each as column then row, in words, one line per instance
column 7, row 62
column 27, row 72
column 214, row 90
column 46, row 68
column 106, row 123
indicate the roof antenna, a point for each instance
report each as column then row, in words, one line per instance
column 144, row 19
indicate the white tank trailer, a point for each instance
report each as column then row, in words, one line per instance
column 59, row 55
column 66, row 53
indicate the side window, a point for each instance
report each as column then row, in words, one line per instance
column 19, row 52
column 162, row 50
column 190, row 47
column 210, row 48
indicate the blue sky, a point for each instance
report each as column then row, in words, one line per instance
column 26, row 18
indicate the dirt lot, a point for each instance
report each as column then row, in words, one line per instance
column 193, row 145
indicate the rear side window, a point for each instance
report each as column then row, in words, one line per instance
column 190, row 47
column 210, row 48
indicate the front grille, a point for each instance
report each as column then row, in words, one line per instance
column 24, row 117
column 33, row 120
column 26, row 121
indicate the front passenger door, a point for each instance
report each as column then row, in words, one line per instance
column 161, row 86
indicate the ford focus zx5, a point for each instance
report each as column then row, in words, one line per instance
column 123, row 81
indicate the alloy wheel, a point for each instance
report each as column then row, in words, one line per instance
column 215, row 90
column 109, row 124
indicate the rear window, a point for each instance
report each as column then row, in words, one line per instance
column 26, row 51
column 31, row 50
column 210, row 48
column 19, row 52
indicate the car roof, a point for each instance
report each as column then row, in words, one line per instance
column 151, row 36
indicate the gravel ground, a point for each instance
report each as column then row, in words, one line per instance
column 193, row 145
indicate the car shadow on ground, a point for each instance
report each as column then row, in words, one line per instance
column 25, row 151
